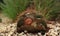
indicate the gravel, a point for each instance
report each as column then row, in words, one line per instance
column 10, row 30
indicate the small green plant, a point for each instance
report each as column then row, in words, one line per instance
column 48, row 8
column 12, row 7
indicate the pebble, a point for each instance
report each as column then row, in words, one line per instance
column 8, row 30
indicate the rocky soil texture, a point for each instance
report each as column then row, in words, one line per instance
column 9, row 29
